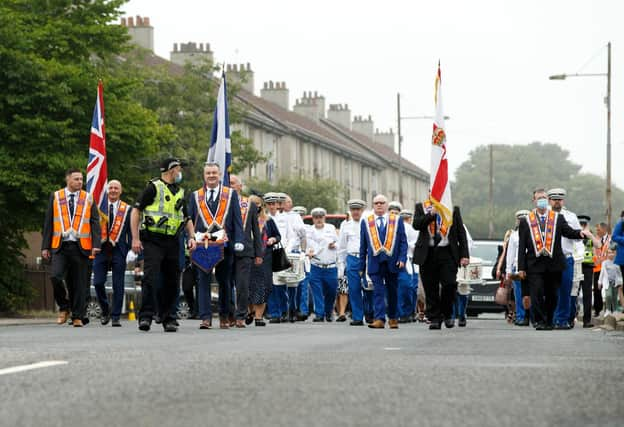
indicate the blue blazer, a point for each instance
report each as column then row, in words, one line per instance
column 233, row 221
column 399, row 254
column 618, row 237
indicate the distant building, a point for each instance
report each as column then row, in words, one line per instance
column 309, row 140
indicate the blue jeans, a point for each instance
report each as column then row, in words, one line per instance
column 356, row 293
column 459, row 307
column 324, row 284
column 562, row 311
column 100, row 271
column 278, row 301
column 386, row 286
column 407, row 296
column 302, row 295
column 520, row 311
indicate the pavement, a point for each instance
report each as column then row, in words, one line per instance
column 488, row 374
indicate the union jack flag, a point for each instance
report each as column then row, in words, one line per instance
column 97, row 174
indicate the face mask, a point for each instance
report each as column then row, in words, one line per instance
column 542, row 203
column 178, row 177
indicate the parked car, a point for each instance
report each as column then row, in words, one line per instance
column 481, row 299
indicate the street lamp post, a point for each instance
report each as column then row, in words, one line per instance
column 608, row 104
column 400, row 137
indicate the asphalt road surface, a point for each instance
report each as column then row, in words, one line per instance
column 488, row 374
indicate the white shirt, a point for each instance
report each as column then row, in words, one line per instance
column 318, row 242
column 287, row 234
column 115, row 206
column 568, row 245
column 511, row 262
column 71, row 237
column 349, row 239
column 216, row 192
column 297, row 225
column 412, row 237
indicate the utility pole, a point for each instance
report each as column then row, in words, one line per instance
column 608, row 102
column 400, row 151
column 491, row 195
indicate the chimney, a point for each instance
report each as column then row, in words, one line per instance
column 340, row 114
column 242, row 75
column 277, row 93
column 141, row 34
column 311, row 105
column 385, row 138
column 191, row 53
column 363, row 126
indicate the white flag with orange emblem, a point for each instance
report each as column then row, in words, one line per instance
column 440, row 193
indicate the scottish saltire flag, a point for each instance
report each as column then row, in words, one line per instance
column 97, row 174
column 220, row 150
column 440, row 194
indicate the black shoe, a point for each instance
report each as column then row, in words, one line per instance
column 562, row 327
column 260, row 322
column 105, row 318
column 543, row 327
column 318, row 319
column 291, row 317
column 329, row 318
column 302, row 317
column 449, row 323
column 588, row 325
column 523, row 322
column 369, row 319
column 85, row 321
column 435, row 325
column 116, row 323
column 170, row 326
column 249, row 319
column 462, row 322
column 145, row 325
column 156, row 319
column 342, row 318
column 356, row 323
column 275, row 320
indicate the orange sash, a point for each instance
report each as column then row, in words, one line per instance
column 65, row 226
column 244, row 208
column 217, row 220
column 388, row 245
column 118, row 223
column 543, row 240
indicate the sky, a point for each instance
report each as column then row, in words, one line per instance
column 495, row 57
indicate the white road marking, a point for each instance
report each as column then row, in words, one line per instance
column 38, row 365
column 392, row 348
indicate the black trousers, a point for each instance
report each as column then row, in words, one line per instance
column 439, row 277
column 544, row 287
column 223, row 274
column 598, row 303
column 189, row 287
column 70, row 267
column 161, row 262
column 243, row 275
column 587, row 285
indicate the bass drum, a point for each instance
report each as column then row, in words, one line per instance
column 293, row 275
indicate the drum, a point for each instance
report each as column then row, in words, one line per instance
column 471, row 274
column 293, row 275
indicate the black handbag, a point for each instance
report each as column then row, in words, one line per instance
column 280, row 261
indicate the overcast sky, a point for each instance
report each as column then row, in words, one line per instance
column 496, row 58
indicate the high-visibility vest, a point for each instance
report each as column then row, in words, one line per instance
column 588, row 256
column 79, row 226
column 165, row 217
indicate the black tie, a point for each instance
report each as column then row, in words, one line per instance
column 111, row 217
column 212, row 195
column 437, row 237
column 71, row 205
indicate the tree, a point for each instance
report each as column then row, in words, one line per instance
column 518, row 170
column 52, row 53
column 309, row 193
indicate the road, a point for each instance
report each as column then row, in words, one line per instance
column 488, row 374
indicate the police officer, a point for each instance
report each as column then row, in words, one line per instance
column 71, row 233
column 588, row 270
column 116, row 241
column 163, row 211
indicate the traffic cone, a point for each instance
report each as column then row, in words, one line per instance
column 131, row 315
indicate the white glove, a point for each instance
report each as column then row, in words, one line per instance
column 238, row 247
column 131, row 257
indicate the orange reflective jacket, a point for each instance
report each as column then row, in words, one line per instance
column 64, row 226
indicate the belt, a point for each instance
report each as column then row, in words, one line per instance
column 324, row 265
column 355, row 254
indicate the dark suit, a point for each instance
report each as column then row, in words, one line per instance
column 543, row 273
column 438, row 264
column 234, row 229
column 70, row 264
column 245, row 259
column 382, row 268
column 113, row 258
